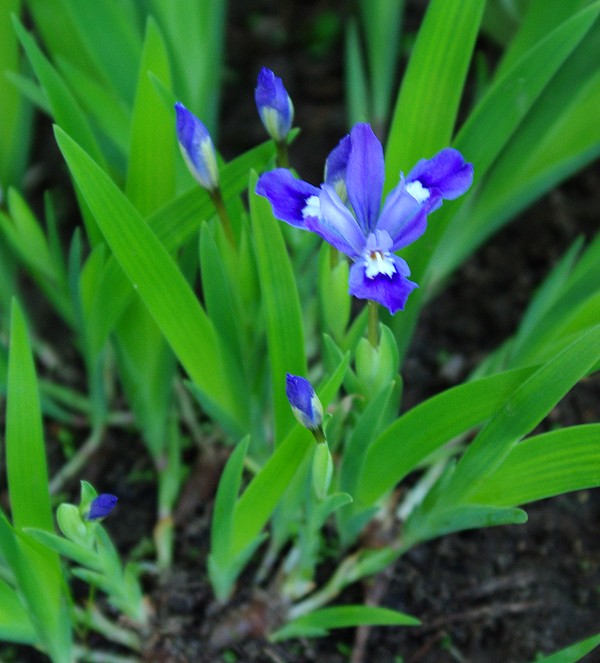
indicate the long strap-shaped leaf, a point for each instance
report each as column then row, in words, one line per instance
column 420, row 431
column 545, row 465
column 529, row 404
column 157, row 279
column 426, row 109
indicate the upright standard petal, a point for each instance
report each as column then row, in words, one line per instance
column 389, row 291
column 365, row 175
column 292, row 200
column 447, row 171
column 336, row 166
column 197, row 148
column 274, row 105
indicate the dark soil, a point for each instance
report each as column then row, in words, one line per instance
column 491, row 596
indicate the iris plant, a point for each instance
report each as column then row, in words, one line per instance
column 346, row 211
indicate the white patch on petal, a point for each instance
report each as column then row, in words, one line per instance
column 417, row 191
column 379, row 262
column 312, row 207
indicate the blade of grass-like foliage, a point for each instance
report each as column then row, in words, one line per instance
column 285, row 333
column 114, row 120
column 65, row 109
column 15, row 110
column 151, row 167
column 54, row 23
column 146, row 364
column 173, row 224
column 573, row 653
column 158, row 281
column 15, row 625
column 36, row 570
column 262, row 495
column 499, row 114
column 557, row 137
column 25, row 454
column 93, row 22
column 319, row 622
column 427, row 104
column 420, row 431
column 543, row 466
column 356, row 77
column 195, row 35
column 381, row 20
column 526, row 407
column 540, row 18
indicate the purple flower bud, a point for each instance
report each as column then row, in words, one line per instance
column 101, row 506
column 274, row 105
column 197, row 148
column 305, row 403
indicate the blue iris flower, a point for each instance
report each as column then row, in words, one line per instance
column 274, row 105
column 346, row 210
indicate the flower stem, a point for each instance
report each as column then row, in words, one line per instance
column 373, row 329
column 283, row 160
column 219, row 204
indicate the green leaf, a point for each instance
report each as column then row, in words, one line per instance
column 573, row 653
column 157, row 279
column 151, row 168
column 15, row 625
column 429, row 425
column 526, row 407
column 320, row 622
column 25, row 454
column 174, row 224
column 543, row 466
column 427, row 105
column 285, row 333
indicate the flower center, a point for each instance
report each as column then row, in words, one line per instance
column 312, row 207
column 379, row 262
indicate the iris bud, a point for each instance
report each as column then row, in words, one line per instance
column 197, row 148
column 377, row 367
column 274, row 105
column 305, row 403
column 101, row 506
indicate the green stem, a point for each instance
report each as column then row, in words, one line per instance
column 283, row 160
column 219, row 204
column 373, row 328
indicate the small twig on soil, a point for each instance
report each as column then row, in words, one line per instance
column 72, row 467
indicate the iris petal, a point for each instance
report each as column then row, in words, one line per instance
column 365, row 175
column 403, row 217
column 336, row 224
column 287, row 195
column 389, row 291
column 447, row 171
column 336, row 167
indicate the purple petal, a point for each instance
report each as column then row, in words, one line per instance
column 305, row 403
column 274, row 104
column 403, row 217
column 446, row 171
column 101, row 506
column 391, row 292
column 336, row 167
column 197, row 147
column 365, row 175
column 336, row 224
column 288, row 196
